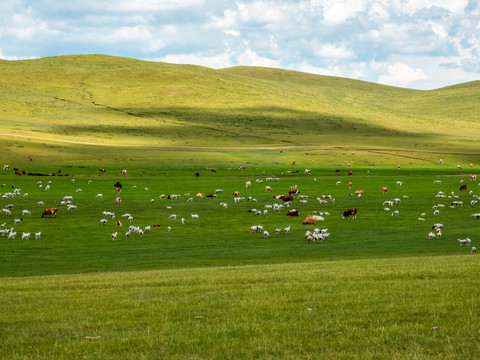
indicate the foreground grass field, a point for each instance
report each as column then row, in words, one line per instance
column 419, row 308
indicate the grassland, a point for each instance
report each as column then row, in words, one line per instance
column 157, row 108
column 378, row 288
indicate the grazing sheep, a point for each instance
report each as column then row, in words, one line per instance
column 464, row 242
column 474, row 250
column 103, row 221
column 395, row 213
column 278, row 231
column 266, row 234
column 287, row 229
column 114, row 236
column 195, row 216
column 147, row 228
column 25, row 236
column 432, row 235
column 253, row 229
column 26, row 212
column 173, row 217
column 38, row 235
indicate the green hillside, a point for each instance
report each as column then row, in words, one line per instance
column 113, row 101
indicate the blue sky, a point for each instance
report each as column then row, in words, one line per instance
column 419, row 44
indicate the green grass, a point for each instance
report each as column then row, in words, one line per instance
column 422, row 308
column 134, row 104
column 75, row 242
column 209, row 289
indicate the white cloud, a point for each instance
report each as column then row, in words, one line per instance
column 232, row 32
column 218, row 61
column 337, row 52
column 401, row 74
column 250, row 58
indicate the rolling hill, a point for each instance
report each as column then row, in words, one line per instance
column 124, row 103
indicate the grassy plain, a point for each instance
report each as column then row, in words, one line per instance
column 209, row 289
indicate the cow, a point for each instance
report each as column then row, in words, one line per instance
column 286, row 198
column 102, row 170
column 293, row 213
column 463, row 187
column 308, row 221
column 49, row 212
column 384, row 190
column 123, row 172
column 349, row 212
column 236, row 193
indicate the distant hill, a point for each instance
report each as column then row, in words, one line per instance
column 120, row 101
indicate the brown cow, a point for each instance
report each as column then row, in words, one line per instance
column 287, row 198
column 308, row 221
column 384, row 190
column 293, row 213
column 50, row 212
column 463, row 187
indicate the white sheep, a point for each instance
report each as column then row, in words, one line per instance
column 173, row 217
column 465, row 241
column 266, row 234
column 194, row 216
column 278, row 231
column 114, row 236
column 26, row 213
column 103, row 221
column 287, row 229
column 38, row 235
column 253, row 229
column 432, row 235
column 147, row 228
column 474, row 250
column 25, row 236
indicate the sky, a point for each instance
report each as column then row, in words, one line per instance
column 417, row 44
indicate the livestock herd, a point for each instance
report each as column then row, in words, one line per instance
column 279, row 204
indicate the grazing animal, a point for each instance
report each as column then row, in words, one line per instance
column 308, row 221
column 114, row 236
column 25, row 236
column 49, row 212
column 123, row 172
column 474, row 250
column 293, row 213
column 248, row 184
column 464, row 242
column 268, row 189
column 286, row 198
column 38, row 235
column 463, row 187
column 266, row 234
column 118, row 201
column 349, row 212
column 384, row 190
column 432, row 235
